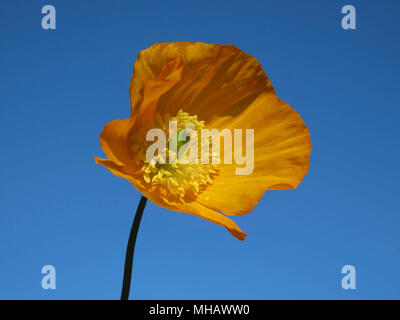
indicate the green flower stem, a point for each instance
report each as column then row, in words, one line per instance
column 130, row 249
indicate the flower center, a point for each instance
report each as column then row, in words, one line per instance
column 168, row 174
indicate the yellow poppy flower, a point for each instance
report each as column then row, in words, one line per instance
column 210, row 86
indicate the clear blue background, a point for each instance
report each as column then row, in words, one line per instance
column 59, row 88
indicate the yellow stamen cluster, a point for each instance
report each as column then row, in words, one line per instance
column 174, row 181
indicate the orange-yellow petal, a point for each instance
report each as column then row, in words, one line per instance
column 152, row 90
column 216, row 80
column 115, row 141
column 201, row 211
column 281, row 157
column 118, row 170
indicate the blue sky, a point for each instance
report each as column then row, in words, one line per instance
column 59, row 87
